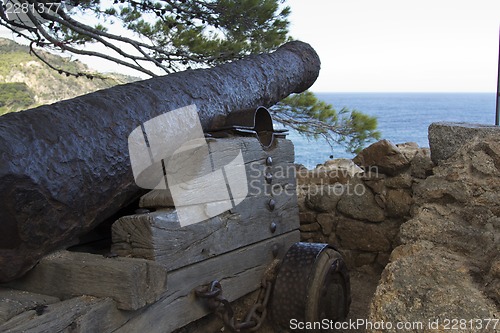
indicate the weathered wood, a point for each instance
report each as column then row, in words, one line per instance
column 132, row 283
column 65, row 167
column 103, row 317
column 79, row 314
column 239, row 272
column 283, row 169
column 158, row 235
column 14, row 302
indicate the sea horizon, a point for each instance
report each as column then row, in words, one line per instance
column 402, row 117
column 404, row 92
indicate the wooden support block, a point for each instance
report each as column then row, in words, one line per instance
column 240, row 272
column 132, row 283
column 14, row 302
column 79, row 314
column 158, row 236
column 222, row 151
column 103, row 316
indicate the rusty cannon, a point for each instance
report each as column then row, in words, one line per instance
column 64, row 168
column 220, row 222
column 158, row 273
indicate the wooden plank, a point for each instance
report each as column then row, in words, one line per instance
column 158, row 236
column 14, row 302
column 79, row 314
column 102, row 317
column 222, row 152
column 132, row 283
column 239, row 272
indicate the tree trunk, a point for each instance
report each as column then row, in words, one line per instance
column 65, row 167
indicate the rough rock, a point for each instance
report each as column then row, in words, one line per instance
column 455, row 228
column 383, row 258
column 403, row 180
column 358, row 202
column 443, row 190
column 366, row 258
column 408, row 149
column 377, row 185
column 421, row 165
column 310, row 227
column 429, row 285
column 369, row 237
column 446, row 138
column 327, row 222
column 307, row 217
column 330, row 173
column 65, row 167
column 344, row 166
column 324, row 198
column 384, row 156
column 398, row 203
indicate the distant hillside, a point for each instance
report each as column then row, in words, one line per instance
column 26, row 82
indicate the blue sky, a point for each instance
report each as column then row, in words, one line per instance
column 395, row 45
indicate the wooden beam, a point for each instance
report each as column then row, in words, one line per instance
column 158, row 236
column 254, row 158
column 14, row 302
column 79, row 314
column 132, row 283
column 239, row 272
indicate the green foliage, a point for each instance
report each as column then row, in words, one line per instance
column 171, row 35
column 25, row 82
column 314, row 118
column 11, row 55
column 14, row 96
column 207, row 32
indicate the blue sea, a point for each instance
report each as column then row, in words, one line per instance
column 402, row 117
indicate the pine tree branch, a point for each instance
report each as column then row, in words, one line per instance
column 71, row 49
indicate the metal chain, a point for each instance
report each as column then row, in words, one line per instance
column 255, row 317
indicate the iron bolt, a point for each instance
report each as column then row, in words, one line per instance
column 273, row 227
column 269, row 161
column 272, row 204
column 269, row 178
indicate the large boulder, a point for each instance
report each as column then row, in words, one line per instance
column 430, row 286
column 358, row 202
column 445, row 138
column 369, row 237
column 384, row 157
column 448, row 266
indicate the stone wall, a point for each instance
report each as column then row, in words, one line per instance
column 448, row 264
column 358, row 206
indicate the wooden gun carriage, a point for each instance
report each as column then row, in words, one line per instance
column 162, row 276
column 57, row 183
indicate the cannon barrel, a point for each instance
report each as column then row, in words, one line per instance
column 65, row 167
